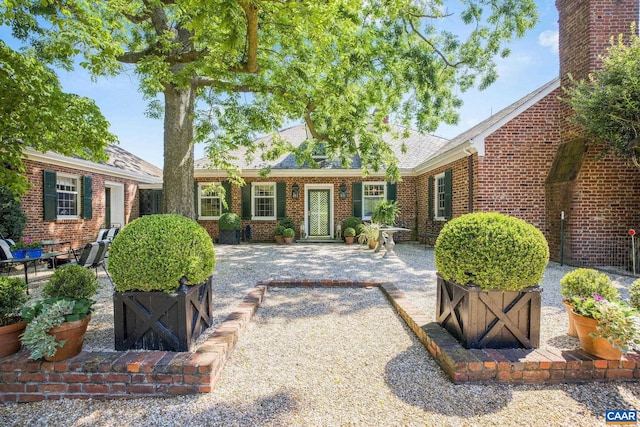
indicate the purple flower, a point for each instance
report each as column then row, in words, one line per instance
column 597, row 297
column 27, row 240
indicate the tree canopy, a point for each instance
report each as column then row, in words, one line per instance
column 231, row 70
column 607, row 105
column 35, row 112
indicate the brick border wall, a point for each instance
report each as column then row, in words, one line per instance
column 130, row 374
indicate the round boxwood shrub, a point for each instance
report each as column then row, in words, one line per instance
column 287, row 223
column 153, row 252
column 584, row 282
column 491, row 250
column 229, row 221
column 351, row 222
column 288, row 233
column 13, row 295
column 360, row 228
column 71, row 282
column 278, row 230
column 349, row 232
column 634, row 294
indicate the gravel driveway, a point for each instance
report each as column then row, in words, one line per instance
column 338, row 356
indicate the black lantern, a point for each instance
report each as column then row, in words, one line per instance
column 343, row 190
column 295, row 191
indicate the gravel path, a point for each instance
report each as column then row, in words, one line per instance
column 338, row 356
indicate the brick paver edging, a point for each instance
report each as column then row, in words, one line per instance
column 105, row 375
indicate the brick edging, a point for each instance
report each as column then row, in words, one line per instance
column 126, row 374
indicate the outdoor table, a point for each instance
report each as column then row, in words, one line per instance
column 390, row 243
column 25, row 261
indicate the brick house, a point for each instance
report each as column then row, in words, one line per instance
column 70, row 198
column 315, row 199
column 528, row 161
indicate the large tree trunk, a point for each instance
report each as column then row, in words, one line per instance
column 178, row 182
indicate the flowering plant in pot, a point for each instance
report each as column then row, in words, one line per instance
column 489, row 266
column 601, row 322
column 13, row 295
column 56, row 324
column 161, row 263
column 584, row 282
column 24, row 246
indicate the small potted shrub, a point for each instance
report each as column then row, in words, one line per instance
column 13, row 295
column 161, row 267
column 489, row 266
column 605, row 328
column 349, row 235
column 229, row 226
column 56, row 325
column 385, row 213
column 584, row 282
column 634, row 294
column 350, row 222
column 278, row 231
column 287, row 223
column 288, row 234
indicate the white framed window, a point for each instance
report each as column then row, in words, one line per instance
column 209, row 201
column 263, row 200
column 439, row 202
column 67, row 196
column 372, row 193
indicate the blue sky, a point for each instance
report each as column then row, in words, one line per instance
column 532, row 63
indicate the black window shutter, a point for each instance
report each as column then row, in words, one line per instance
column 430, row 198
column 50, row 196
column 356, row 192
column 227, row 196
column 392, row 191
column 246, row 201
column 156, row 201
column 448, row 193
column 281, row 199
column 87, row 197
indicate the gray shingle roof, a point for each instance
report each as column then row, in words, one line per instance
column 122, row 159
column 418, row 147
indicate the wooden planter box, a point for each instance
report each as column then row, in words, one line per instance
column 489, row 319
column 162, row 321
column 229, row 237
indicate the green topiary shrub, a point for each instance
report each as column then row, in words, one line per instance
column 278, row 230
column 229, row 221
column 491, row 250
column 287, row 223
column 288, row 233
column 584, row 282
column 12, row 218
column 71, row 282
column 360, row 229
column 634, row 294
column 349, row 232
column 153, row 252
column 351, row 222
column 13, row 295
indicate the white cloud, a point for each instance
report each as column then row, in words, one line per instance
column 549, row 39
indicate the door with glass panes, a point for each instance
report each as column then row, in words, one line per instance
column 319, row 213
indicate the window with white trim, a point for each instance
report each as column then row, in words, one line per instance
column 439, row 199
column 372, row 194
column 263, row 196
column 67, row 195
column 209, row 201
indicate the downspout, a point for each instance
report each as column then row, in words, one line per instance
column 469, row 153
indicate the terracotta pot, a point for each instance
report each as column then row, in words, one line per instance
column 349, row 240
column 279, row 240
column 10, row 338
column 571, row 315
column 73, row 333
column 288, row 240
column 600, row 347
column 373, row 244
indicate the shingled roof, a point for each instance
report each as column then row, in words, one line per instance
column 418, row 147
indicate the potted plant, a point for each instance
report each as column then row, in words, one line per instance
column 584, row 282
column 605, row 328
column 229, row 226
column 161, row 267
column 369, row 235
column 287, row 223
column 385, row 213
column 288, row 234
column 56, row 325
column 634, row 294
column 13, row 295
column 349, row 235
column 278, row 232
column 350, row 222
column 489, row 266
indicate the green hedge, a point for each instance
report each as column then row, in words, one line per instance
column 491, row 250
column 153, row 252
